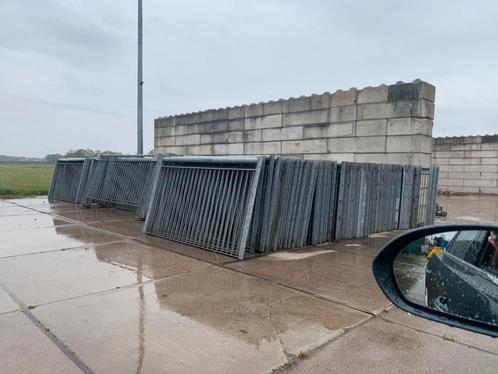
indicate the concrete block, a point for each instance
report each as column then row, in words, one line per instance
column 398, row 109
column 373, row 95
column 214, row 115
column 181, row 130
column 482, row 168
column 283, row 133
column 424, row 109
column 252, row 136
column 479, row 183
column 455, row 168
column 273, row 107
column 371, row 144
column 343, row 98
column 211, row 127
column 306, row 118
column 376, row 127
column 399, row 126
column 489, row 161
column 376, row 111
column 394, row 158
column 467, row 189
column 409, row 126
column 329, row 130
column 450, row 182
column 236, row 112
column 187, row 119
column 451, row 154
column 264, row 122
column 464, row 147
column 489, row 190
column 265, row 148
column 300, row 104
column 165, row 141
column 342, row 114
column 228, row 149
column 489, row 176
column 403, row 92
column 412, row 91
column 330, row 156
column 320, row 101
column 467, row 175
column 165, row 131
column 489, row 146
column 464, row 161
column 409, row 143
column 176, row 149
column 188, row 140
column 423, row 159
column 254, row 110
column 236, row 124
column 440, row 161
column 305, row 146
column 200, row 150
column 426, row 91
column 223, row 137
column 168, row 121
column 492, row 154
column 214, row 138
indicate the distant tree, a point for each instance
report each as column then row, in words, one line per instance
column 53, row 157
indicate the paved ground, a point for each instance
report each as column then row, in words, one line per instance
column 86, row 291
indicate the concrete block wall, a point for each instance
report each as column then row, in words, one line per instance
column 385, row 124
column 468, row 164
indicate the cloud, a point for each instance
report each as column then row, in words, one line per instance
column 68, row 67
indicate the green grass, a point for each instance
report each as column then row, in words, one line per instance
column 24, row 178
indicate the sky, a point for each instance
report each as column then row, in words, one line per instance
column 68, row 68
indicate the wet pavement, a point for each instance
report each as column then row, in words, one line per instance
column 84, row 290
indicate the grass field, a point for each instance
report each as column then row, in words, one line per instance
column 24, row 178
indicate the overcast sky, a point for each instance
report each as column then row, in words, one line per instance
column 68, row 67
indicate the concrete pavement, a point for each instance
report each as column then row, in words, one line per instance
column 87, row 291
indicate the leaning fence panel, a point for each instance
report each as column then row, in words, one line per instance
column 205, row 202
column 69, row 179
column 121, row 182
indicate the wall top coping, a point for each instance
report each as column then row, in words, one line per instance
column 400, row 91
column 470, row 139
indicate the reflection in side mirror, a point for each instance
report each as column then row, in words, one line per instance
column 452, row 272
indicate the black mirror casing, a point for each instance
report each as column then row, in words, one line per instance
column 384, row 275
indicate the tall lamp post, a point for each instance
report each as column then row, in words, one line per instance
column 140, row 114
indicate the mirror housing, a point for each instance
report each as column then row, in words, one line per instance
column 384, row 275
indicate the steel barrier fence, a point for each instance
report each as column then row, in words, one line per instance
column 121, row 181
column 234, row 205
column 69, row 179
column 206, row 202
column 428, row 195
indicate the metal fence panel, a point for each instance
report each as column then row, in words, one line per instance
column 121, row 181
column 69, row 179
column 205, row 202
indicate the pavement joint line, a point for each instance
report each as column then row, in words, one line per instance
column 222, row 266
column 437, row 335
column 110, row 291
column 311, row 352
column 243, row 272
column 79, row 247
column 24, row 309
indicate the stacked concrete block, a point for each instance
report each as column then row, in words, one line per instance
column 385, row 124
column 468, row 164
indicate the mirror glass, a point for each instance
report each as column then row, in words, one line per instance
column 452, row 272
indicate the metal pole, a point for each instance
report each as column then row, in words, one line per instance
column 140, row 85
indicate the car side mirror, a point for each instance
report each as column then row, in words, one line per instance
column 446, row 273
